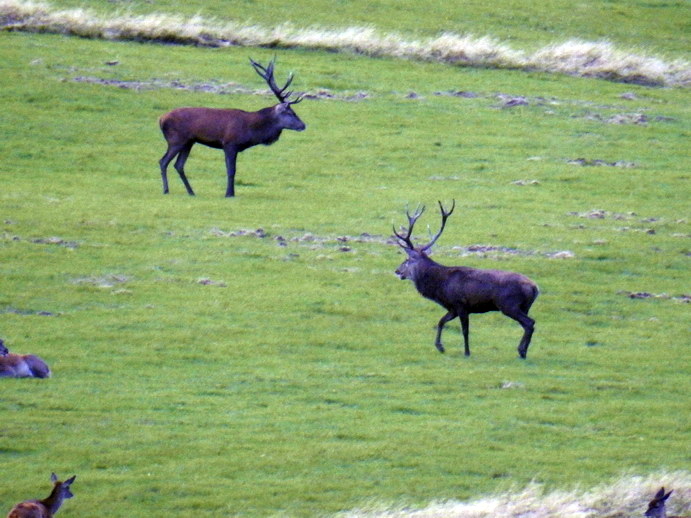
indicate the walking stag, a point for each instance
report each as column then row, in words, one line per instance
column 231, row 130
column 462, row 290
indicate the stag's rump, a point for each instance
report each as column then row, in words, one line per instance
column 209, row 126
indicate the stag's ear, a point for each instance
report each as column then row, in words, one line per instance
column 53, row 478
column 281, row 108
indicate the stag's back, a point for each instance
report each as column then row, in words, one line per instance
column 30, row 509
column 483, row 290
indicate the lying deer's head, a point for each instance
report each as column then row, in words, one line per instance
column 656, row 507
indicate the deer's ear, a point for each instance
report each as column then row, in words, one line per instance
column 53, row 478
column 661, row 493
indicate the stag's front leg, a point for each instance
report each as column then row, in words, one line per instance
column 231, row 159
column 449, row 316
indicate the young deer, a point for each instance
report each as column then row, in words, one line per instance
column 656, row 507
column 21, row 365
column 462, row 290
column 47, row 507
column 232, row 131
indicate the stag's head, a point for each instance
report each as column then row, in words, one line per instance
column 3, row 350
column 283, row 111
column 62, row 489
column 417, row 256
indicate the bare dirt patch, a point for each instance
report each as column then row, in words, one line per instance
column 597, row 162
column 101, row 281
column 27, row 312
column 685, row 298
column 345, row 243
column 218, row 88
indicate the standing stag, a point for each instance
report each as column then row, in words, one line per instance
column 47, row 507
column 462, row 290
column 21, row 365
column 232, row 131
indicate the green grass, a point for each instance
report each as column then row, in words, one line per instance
column 196, row 372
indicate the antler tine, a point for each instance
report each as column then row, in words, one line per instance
column 407, row 240
column 286, row 95
column 267, row 74
column 444, row 216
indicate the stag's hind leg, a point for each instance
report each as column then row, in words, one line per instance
column 465, row 329
column 180, row 166
column 528, row 325
column 182, row 151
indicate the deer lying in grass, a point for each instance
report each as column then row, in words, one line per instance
column 21, row 365
column 47, row 507
column 232, row 131
column 656, row 507
column 462, row 290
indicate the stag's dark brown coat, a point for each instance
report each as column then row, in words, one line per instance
column 231, row 130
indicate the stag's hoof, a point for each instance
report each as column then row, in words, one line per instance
column 522, row 354
column 440, row 347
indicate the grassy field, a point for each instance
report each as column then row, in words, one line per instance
column 256, row 356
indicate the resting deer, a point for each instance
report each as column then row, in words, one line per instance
column 232, row 131
column 21, row 365
column 462, row 290
column 656, row 507
column 47, row 507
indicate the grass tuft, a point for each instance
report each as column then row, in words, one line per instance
column 579, row 58
column 627, row 496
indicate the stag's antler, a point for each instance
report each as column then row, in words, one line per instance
column 406, row 240
column 444, row 216
column 267, row 74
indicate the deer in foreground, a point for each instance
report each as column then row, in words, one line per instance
column 656, row 507
column 47, row 507
column 462, row 290
column 231, row 130
column 21, row 365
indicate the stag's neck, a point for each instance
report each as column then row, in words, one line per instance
column 53, row 502
column 429, row 278
column 265, row 128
